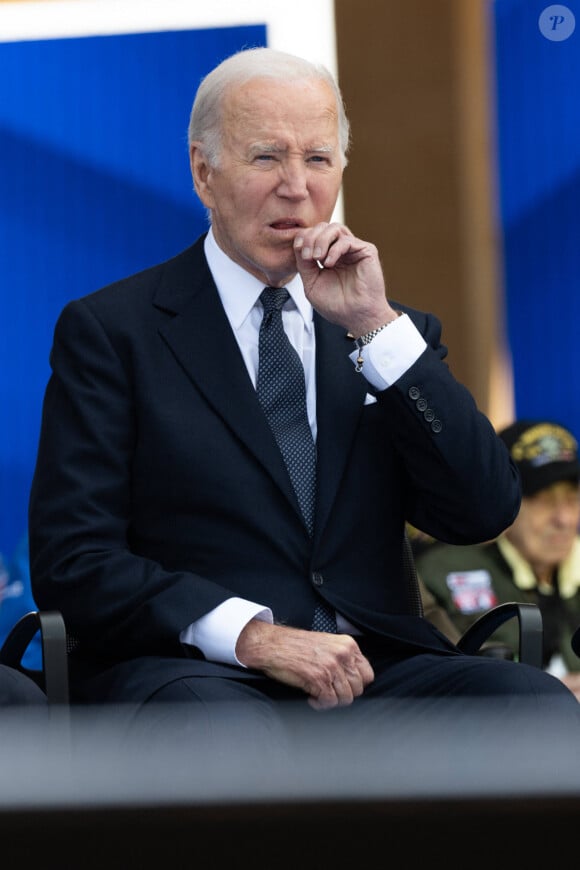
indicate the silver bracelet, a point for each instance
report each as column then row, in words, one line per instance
column 366, row 339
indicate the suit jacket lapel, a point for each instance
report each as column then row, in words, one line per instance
column 340, row 400
column 200, row 337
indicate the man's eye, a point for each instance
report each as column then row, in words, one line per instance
column 318, row 158
column 264, row 157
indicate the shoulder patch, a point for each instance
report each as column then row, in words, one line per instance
column 471, row 591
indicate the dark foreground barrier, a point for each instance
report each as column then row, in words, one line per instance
column 469, row 784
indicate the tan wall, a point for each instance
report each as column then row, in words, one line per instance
column 416, row 78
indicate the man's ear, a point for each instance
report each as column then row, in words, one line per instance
column 201, row 174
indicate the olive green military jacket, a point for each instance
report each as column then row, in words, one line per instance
column 467, row 581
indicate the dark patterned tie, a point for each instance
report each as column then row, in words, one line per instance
column 282, row 393
column 324, row 619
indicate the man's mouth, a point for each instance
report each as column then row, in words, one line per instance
column 287, row 224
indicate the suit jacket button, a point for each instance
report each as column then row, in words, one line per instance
column 421, row 404
column 436, row 425
column 414, row 392
column 317, row 578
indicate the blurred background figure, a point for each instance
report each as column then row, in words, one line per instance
column 536, row 560
column 16, row 599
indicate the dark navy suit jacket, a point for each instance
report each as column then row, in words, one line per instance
column 159, row 491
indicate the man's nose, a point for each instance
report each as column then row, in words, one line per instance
column 293, row 180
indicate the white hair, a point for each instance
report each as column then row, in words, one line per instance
column 205, row 122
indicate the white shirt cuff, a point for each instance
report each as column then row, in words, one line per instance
column 216, row 633
column 391, row 352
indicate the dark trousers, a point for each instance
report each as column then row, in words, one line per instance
column 262, row 716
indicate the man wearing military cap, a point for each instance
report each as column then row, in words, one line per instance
column 536, row 560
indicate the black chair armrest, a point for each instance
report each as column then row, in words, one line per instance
column 530, row 630
column 54, row 676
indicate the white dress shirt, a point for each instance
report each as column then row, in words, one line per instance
column 386, row 358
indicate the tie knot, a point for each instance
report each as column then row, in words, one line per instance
column 273, row 298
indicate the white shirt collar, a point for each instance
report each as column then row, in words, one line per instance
column 239, row 291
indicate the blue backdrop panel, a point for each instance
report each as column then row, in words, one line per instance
column 538, row 99
column 94, row 185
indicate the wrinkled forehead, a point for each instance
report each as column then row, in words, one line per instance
column 269, row 107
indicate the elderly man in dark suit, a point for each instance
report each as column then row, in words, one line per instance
column 169, row 522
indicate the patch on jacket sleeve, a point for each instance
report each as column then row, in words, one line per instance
column 471, row 591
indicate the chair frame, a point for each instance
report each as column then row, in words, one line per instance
column 52, row 678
